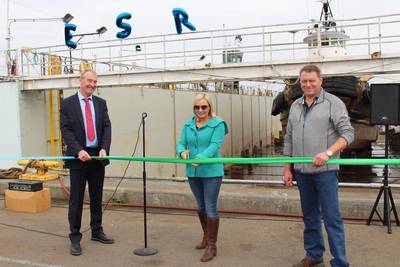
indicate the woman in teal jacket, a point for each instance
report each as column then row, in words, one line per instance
column 202, row 137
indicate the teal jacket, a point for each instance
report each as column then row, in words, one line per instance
column 204, row 142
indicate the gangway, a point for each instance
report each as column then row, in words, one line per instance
column 266, row 52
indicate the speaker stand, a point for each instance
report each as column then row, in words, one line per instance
column 388, row 203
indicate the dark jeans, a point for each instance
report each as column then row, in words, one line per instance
column 206, row 191
column 319, row 199
column 93, row 173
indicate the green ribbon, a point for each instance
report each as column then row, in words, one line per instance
column 277, row 160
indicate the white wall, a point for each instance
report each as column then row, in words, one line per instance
column 10, row 132
column 34, row 123
column 248, row 119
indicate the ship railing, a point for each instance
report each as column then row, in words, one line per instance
column 246, row 45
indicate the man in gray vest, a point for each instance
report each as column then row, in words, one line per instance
column 318, row 127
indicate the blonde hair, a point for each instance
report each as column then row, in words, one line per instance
column 206, row 97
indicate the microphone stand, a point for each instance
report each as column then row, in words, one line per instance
column 145, row 251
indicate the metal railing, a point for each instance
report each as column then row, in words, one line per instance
column 268, row 43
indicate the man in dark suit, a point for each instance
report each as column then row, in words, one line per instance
column 86, row 129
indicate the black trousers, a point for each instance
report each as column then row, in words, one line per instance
column 92, row 172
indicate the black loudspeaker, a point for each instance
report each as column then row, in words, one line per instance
column 385, row 102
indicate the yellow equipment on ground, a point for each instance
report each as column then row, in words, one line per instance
column 42, row 167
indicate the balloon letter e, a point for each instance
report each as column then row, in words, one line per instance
column 68, row 36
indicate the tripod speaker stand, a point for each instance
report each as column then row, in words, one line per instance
column 385, row 110
column 388, row 202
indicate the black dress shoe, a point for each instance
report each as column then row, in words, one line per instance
column 75, row 249
column 101, row 237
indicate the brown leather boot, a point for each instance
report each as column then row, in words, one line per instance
column 203, row 222
column 309, row 263
column 212, row 234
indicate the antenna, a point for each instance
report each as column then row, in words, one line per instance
column 326, row 16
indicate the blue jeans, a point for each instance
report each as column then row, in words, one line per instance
column 319, row 199
column 206, row 191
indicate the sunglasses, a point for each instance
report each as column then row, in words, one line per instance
column 204, row 107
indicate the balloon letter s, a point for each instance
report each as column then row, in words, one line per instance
column 125, row 26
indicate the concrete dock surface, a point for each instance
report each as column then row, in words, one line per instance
column 41, row 240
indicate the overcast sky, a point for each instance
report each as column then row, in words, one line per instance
column 155, row 17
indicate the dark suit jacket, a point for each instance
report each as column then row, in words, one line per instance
column 73, row 128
